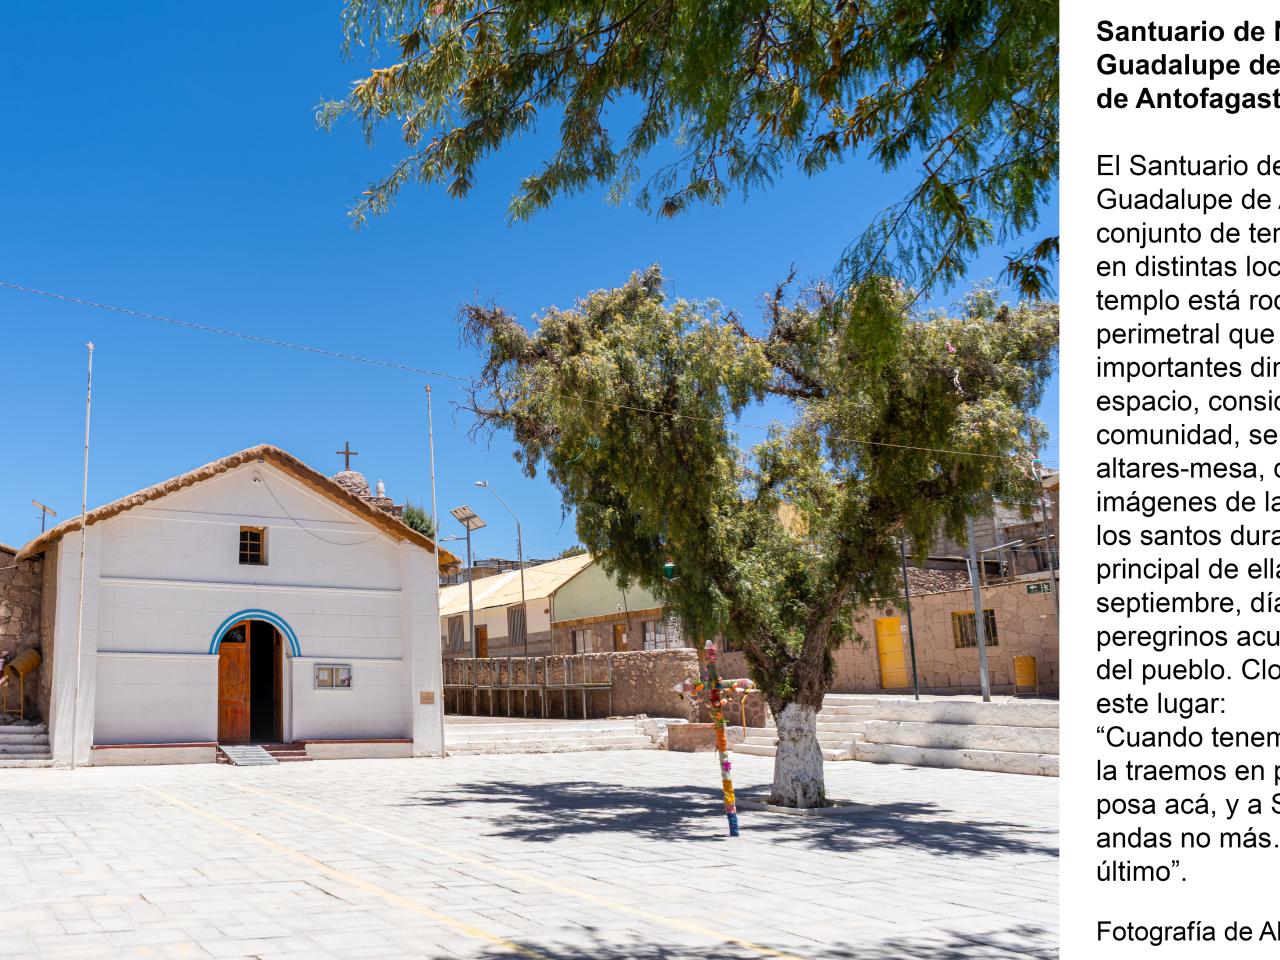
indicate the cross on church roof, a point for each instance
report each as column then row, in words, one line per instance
column 347, row 453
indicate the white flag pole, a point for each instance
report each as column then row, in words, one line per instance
column 84, row 510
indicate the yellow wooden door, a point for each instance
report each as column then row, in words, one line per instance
column 893, row 658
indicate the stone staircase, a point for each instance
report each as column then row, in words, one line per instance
column 841, row 724
column 1003, row 736
column 24, row 743
column 471, row 735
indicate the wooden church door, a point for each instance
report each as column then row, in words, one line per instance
column 233, row 685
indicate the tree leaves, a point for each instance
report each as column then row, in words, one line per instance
column 904, row 425
column 964, row 90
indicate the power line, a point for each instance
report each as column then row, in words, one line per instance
column 425, row 372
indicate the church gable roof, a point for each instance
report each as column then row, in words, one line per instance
column 286, row 463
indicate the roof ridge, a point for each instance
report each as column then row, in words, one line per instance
column 263, row 452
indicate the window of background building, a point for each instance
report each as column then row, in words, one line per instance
column 517, row 626
column 456, row 628
column 964, row 627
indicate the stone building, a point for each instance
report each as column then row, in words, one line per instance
column 21, row 606
column 1022, row 620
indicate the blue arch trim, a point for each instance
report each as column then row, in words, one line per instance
column 275, row 620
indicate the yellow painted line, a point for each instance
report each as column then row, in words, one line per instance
column 344, row 877
column 673, row 922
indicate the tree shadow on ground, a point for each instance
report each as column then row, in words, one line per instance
column 1023, row 942
column 542, row 812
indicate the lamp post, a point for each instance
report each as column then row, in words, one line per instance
column 519, row 559
column 467, row 517
column 911, row 632
column 979, row 615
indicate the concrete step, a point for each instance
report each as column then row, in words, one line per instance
column 771, row 749
column 26, row 761
column 22, row 727
column 996, row 761
column 40, row 748
column 853, row 726
column 964, row 736
column 7, row 737
column 560, row 745
column 466, row 734
column 841, row 739
column 1004, row 713
column 830, row 713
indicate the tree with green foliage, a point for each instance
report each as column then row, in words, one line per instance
column 418, row 519
column 678, row 102
column 903, row 423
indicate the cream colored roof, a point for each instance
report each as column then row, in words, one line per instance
column 503, row 589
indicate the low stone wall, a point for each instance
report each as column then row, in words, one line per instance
column 643, row 682
column 20, row 605
column 1026, row 625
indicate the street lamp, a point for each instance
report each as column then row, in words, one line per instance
column 519, row 559
column 467, row 517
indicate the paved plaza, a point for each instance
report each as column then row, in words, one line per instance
column 588, row 856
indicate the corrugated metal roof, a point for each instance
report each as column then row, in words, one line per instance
column 503, row 589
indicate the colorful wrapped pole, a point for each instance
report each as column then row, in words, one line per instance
column 714, row 687
column 722, row 744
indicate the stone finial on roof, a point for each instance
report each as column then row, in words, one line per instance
column 353, row 482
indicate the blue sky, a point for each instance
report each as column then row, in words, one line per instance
column 165, row 158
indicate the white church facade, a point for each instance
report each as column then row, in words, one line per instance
column 252, row 600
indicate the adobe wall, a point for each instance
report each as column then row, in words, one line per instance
column 1026, row 624
column 20, row 610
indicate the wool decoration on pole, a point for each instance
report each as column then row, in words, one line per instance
column 714, row 687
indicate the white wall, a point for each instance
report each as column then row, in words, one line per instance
column 374, row 707
column 162, row 578
column 139, row 695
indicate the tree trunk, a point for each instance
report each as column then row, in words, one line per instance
column 797, row 767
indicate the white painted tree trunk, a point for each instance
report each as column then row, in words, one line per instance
column 797, row 768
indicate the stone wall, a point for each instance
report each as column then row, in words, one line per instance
column 48, row 612
column 1026, row 624
column 20, row 610
column 643, row 683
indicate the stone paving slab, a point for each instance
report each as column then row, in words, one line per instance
column 601, row 856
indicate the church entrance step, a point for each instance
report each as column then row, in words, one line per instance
column 246, row 755
column 287, row 752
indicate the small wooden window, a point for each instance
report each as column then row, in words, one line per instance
column 253, row 545
column 964, row 628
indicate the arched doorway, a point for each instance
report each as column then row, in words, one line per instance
column 250, row 683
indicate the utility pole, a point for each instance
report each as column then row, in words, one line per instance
column 84, row 534
column 467, row 517
column 911, row 633
column 519, row 559
column 1050, row 541
column 979, row 617
column 431, row 451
